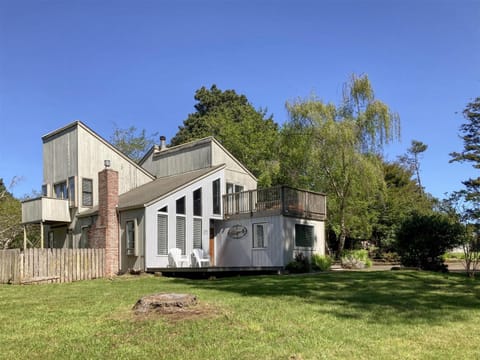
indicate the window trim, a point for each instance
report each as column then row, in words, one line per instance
column 313, row 236
column 64, row 192
column 83, row 192
column 265, row 227
column 165, row 216
column 216, row 197
column 131, row 250
column 200, row 200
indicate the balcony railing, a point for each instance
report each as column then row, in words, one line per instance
column 45, row 209
column 277, row 200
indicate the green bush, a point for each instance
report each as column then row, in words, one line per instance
column 299, row 265
column 355, row 259
column 423, row 239
column 321, row 262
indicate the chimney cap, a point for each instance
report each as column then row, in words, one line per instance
column 163, row 138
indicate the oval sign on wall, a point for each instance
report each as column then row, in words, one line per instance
column 237, row 231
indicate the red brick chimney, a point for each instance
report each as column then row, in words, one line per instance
column 105, row 232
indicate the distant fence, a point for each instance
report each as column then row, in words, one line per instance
column 51, row 265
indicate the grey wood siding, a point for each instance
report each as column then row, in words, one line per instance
column 172, row 162
column 60, row 160
column 91, row 156
column 234, row 172
column 132, row 262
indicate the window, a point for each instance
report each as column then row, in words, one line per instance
column 197, row 202
column 50, row 240
column 87, row 192
column 163, row 209
column 230, row 188
column 60, row 190
column 83, row 243
column 181, row 206
column 180, row 238
column 197, row 233
column 162, row 234
column 304, row 235
column 130, row 235
column 260, row 235
column 238, row 188
column 71, row 190
column 216, row 196
column 44, row 190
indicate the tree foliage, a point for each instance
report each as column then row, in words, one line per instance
column 423, row 239
column 471, row 154
column 335, row 149
column 412, row 159
column 246, row 132
column 132, row 142
column 402, row 197
column 10, row 217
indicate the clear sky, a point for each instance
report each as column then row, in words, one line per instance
column 139, row 62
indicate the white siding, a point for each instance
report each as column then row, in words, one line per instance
column 280, row 247
column 152, row 259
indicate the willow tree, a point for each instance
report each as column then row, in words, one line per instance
column 339, row 153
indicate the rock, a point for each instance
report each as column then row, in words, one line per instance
column 164, row 302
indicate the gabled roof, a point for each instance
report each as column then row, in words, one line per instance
column 78, row 123
column 156, row 190
column 191, row 144
column 153, row 191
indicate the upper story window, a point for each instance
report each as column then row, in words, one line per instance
column 44, row 190
column 216, row 196
column 87, row 192
column 181, row 206
column 60, row 190
column 71, row 190
column 197, row 202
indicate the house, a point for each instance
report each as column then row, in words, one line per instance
column 195, row 195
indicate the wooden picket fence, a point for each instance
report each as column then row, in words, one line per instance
column 51, row 265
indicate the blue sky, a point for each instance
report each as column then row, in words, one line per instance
column 140, row 62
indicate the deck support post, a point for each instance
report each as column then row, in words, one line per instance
column 41, row 235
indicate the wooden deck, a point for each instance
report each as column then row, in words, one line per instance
column 216, row 272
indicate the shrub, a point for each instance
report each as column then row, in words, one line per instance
column 321, row 262
column 355, row 259
column 299, row 264
column 423, row 239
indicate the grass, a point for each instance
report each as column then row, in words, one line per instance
column 335, row 315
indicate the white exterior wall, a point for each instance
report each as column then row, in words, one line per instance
column 289, row 231
column 152, row 259
column 280, row 249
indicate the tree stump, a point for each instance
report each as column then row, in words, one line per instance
column 164, row 303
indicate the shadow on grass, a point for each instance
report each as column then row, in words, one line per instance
column 404, row 296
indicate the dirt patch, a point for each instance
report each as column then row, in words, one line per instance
column 198, row 312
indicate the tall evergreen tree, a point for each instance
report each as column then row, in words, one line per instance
column 471, row 153
column 249, row 134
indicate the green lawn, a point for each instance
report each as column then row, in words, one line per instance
column 336, row 315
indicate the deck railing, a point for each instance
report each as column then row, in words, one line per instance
column 276, row 200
